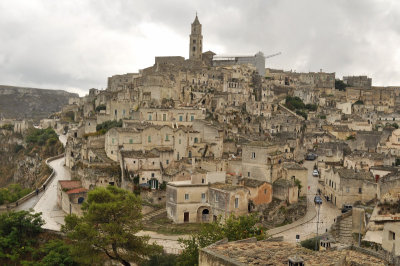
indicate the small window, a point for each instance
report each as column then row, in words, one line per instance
column 167, row 161
column 152, row 174
column 130, row 141
column 216, row 197
column 142, row 178
column 248, row 174
column 392, row 235
column 180, row 118
column 113, row 141
column 150, row 117
column 253, row 155
column 265, row 191
column 186, row 196
column 236, row 202
column 148, row 139
column 166, row 137
column 192, row 118
column 347, row 189
column 180, row 142
column 359, row 190
column 196, row 140
column 164, row 117
column 203, row 181
column 203, row 196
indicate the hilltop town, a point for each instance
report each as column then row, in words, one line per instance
column 211, row 136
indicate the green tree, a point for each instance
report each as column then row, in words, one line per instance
column 18, row 234
column 340, row 85
column 12, row 193
column 57, row 252
column 297, row 182
column 234, row 228
column 112, row 217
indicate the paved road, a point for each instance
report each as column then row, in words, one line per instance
column 327, row 213
column 47, row 204
column 30, row 204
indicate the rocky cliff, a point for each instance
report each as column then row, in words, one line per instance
column 19, row 103
column 24, row 163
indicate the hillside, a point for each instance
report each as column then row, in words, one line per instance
column 19, row 102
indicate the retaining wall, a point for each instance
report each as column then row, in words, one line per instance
column 13, row 205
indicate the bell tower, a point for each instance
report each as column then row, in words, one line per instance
column 196, row 40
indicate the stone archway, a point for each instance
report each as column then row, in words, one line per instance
column 203, row 214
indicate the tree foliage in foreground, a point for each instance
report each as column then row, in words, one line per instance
column 18, row 234
column 112, row 217
column 234, row 228
column 23, row 242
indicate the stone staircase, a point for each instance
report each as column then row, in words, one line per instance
column 342, row 229
column 152, row 214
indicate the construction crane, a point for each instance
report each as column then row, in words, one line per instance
column 272, row 55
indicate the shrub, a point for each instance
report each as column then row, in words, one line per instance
column 310, row 243
column 100, row 107
column 107, row 125
column 41, row 136
column 8, row 127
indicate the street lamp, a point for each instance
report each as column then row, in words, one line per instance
column 316, row 240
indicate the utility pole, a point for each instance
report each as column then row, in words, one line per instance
column 316, row 240
column 359, row 233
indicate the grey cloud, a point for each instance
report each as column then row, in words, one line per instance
column 78, row 44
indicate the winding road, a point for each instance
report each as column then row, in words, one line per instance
column 46, row 202
column 307, row 226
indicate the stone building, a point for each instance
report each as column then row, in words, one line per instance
column 262, row 161
column 390, row 238
column 361, row 160
column 293, row 171
column 358, row 81
column 208, row 196
column 346, row 186
column 70, row 196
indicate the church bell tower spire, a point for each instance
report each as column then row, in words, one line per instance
column 196, row 40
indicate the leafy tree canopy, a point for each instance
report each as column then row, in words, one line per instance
column 340, row 85
column 12, row 193
column 18, row 233
column 112, row 217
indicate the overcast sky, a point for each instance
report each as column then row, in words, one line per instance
column 76, row 44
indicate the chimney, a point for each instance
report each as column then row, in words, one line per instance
column 295, row 261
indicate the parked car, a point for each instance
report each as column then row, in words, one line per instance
column 315, row 173
column 311, row 157
column 317, row 200
column 346, row 208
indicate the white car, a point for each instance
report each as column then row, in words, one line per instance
column 315, row 172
